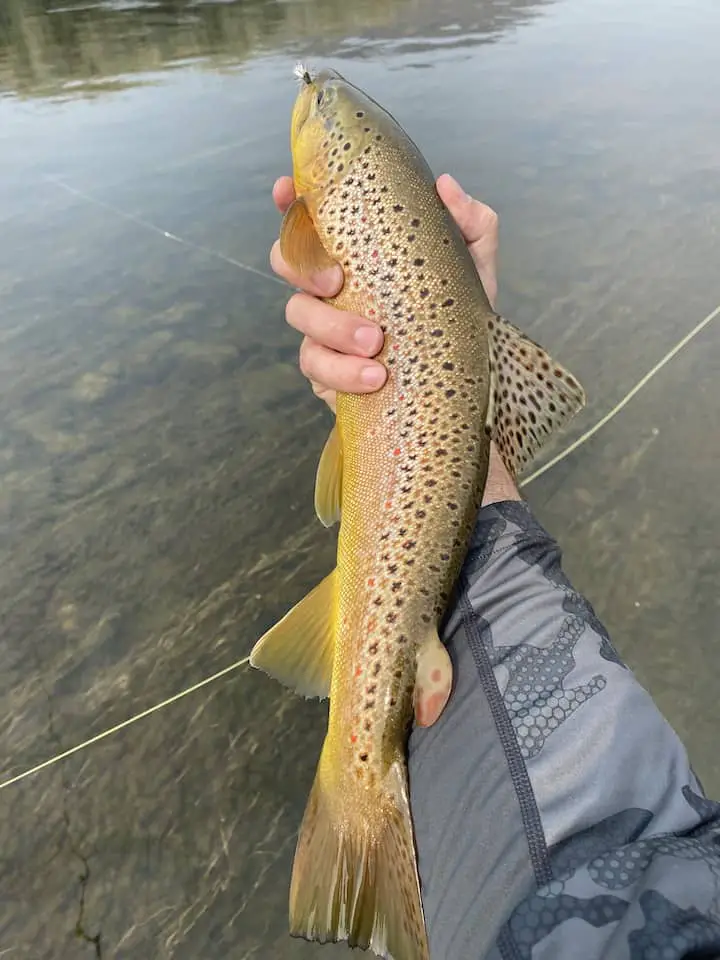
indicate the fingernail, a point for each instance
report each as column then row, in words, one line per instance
column 328, row 280
column 372, row 376
column 367, row 338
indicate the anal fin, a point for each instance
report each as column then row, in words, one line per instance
column 533, row 396
column 299, row 649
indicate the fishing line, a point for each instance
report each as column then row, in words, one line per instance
column 122, row 726
column 89, row 198
column 626, row 399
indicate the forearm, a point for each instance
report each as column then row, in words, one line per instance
column 499, row 486
column 550, row 761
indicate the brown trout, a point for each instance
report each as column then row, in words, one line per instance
column 403, row 472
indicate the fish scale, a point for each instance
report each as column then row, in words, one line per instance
column 403, row 472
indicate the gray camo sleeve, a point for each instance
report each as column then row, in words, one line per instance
column 556, row 812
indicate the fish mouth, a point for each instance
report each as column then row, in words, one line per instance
column 307, row 96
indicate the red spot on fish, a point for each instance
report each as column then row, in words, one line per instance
column 374, row 253
column 371, row 582
column 388, row 504
column 353, row 738
column 396, row 452
column 371, row 312
column 436, row 676
column 363, row 219
column 358, row 671
column 396, row 346
column 401, row 397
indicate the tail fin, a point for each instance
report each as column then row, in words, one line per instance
column 355, row 876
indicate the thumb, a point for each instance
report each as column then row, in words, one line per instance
column 479, row 226
column 476, row 220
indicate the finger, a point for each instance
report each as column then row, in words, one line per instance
column 477, row 221
column 479, row 226
column 283, row 193
column 336, row 329
column 336, row 371
column 325, row 283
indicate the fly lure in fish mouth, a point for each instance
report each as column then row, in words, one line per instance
column 302, row 73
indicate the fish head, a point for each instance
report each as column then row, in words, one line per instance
column 331, row 124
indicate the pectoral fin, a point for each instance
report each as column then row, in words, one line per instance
column 328, row 481
column 300, row 244
column 532, row 396
column 433, row 680
column 298, row 651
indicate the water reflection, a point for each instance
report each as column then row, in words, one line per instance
column 53, row 48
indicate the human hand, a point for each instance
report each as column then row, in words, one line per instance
column 338, row 346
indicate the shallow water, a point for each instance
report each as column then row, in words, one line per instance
column 158, row 445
